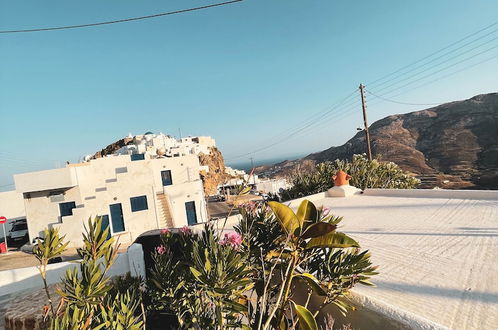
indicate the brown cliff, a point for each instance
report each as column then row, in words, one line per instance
column 113, row 147
column 453, row 145
column 216, row 174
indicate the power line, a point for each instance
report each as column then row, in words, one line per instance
column 321, row 114
column 121, row 20
column 393, row 101
column 306, row 128
column 444, row 76
column 440, row 70
column 437, row 65
column 432, row 54
column 298, row 131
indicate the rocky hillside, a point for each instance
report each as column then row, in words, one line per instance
column 216, row 174
column 112, row 148
column 453, row 145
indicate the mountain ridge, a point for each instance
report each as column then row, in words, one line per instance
column 454, row 144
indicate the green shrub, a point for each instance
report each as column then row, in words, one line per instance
column 365, row 174
column 202, row 279
column 88, row 299
column 289, row 250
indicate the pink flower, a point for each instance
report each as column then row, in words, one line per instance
column 232, row 239
column 186, row 230
column 161, row 249
column 325, row 211
column 165, row 231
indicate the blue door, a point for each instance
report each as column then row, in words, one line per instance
column 105, row 224
column 117, row 220
column 166, row 178
column 191, row 214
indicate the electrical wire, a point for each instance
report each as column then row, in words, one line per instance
column 443, row 62
column 440, row 70
column 347, row 112
column 432, row 54
column 294, row 133
column 398, row 102
column 120, row 20
column 443, row 77
column 315, row 116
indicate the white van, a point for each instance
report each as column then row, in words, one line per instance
column 18, row 234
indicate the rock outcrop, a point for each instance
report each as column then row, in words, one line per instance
column 112, row 148
column 453, row 145
column 216, row 174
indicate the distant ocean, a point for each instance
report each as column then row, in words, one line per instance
column 246, row 164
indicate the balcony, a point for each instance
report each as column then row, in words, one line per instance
column 46, row 180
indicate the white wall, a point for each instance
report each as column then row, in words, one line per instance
column 22, row 279
column 111, row 180
column 11, row 207
column 45, row 180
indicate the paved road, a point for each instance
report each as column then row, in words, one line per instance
column 219, row 209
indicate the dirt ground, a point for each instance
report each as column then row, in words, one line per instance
column 19, row 259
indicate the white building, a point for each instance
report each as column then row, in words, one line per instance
column 160, row 144
column 234, row 172
column 133, row 193
column 11, row 207
column 272, row 186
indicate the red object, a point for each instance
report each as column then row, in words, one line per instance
column 3, row 248
column 3, row 220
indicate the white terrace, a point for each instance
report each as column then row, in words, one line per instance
column 437, row 253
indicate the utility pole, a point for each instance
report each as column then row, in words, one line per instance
column 252, row 171
column 365, row 122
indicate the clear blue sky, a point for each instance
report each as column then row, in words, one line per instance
column 245, row 74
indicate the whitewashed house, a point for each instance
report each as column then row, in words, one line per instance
column 133, row 193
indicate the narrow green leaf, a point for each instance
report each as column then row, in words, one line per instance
column 245, row 191
column 196, row 273
column 312, row 283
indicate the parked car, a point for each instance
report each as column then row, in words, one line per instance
column 219, row 198
column 28, row 248
column 18, row 234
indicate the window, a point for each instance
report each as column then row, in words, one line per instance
column 137, row 157
column 166, row 177
column 67, row 208
column 105, row 224
column 138, row 203
column 191, row 214
column 117, row 220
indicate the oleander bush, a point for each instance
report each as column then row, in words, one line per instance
column 290, row 251
column 261, row 275
column 250, row 278
column 365, row 174
column 89, row 298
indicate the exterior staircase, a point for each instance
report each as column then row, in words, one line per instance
column 164, row 211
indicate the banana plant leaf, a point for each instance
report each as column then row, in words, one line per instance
column 332, row 240
column 286, row 216
column 306, row 319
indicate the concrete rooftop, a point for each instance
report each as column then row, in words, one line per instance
column 437, row 253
